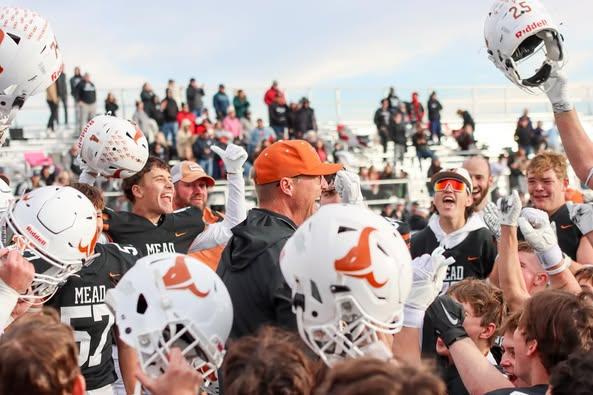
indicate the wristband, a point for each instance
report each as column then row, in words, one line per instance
column 566, row 262
column 413, row 318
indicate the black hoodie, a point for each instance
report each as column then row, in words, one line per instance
column 249, row 267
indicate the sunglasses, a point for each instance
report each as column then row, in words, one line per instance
column 456, row 185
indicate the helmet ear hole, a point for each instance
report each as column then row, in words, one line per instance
column 141, row 305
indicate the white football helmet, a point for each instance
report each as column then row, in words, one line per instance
column 172, row 300
column 112, row 147
column 524, row 42
column 56, row 228
column 30, row 60
column 350, row 274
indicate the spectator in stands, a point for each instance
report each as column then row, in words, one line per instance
column 539, row 139
column 467, row 119
column 416, row 110
column 52, row 101
column 293, row 109
column 553, row 139
column 175, row 91
column 388, row 173
column 397, row 133
column 170, row 111
column 185, row 140
column 202, row 150
column 305, row 120
column 420, row 142
column 289, row 179
column 148, row 99
column 381, row 119
column 524, row 135
column 157, row 113
column 111, row 104
column 394, row 101
column 144, row 122
column 418, row 217
column 258, row 134
column 434, row 117
column 63, row 179
column 87, row 99
column 221, row 103
column 241, row 104
column 194, row 97
column 232, row 124
column 320, row 149
column 278, row 112
column 435, row 167
column 518, row 165
column 73, row 159
column 272, row 93
column 62, row 86
column 160, row 148
column 74, row 81
column 465, row 138
column 48, row 174
column 184, row 114
column 525, row 117
column 31, row 183
column 38, row 355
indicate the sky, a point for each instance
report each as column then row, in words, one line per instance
column 357, row 45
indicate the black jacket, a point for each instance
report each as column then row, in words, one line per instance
column 86, row 92
column 278, row 115
column 434, row 110
column 305, row 120
column 397, row 132
column 249, row 267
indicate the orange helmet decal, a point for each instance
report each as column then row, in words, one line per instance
column 178, row 277
column 357, row 262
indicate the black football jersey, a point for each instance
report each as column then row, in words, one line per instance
column 174, row 232
column 569, row 235
column 540, row 389
column 81, row 304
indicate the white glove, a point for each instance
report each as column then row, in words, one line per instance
column 6, row 119
column 233, row 157
column 541, row 236
column 492, row 218
column 556, row 87
column 429, row 272
column 510, row 209
column 347, row 185
column 582, row 216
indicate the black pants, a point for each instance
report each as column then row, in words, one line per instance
column 384, row 139
column 65, row 105
column 53, row 114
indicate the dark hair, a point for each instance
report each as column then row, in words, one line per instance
column 129, row 182
column 94, row 194
column 560, row 322
column 38, row 356
column 361, row 376
column 573, row 376
column 271, row 362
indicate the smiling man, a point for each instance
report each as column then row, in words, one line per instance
column 479, row 170
column 154, row 227
column 547, row 181
column 288, row 183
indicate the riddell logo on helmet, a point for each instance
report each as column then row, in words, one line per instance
column 531, row 27
column 35, row 235
column 84, row 131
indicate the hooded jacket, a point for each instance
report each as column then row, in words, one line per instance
column 249, row 267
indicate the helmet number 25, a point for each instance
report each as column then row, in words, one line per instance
column 523, row 8
column 97, row 312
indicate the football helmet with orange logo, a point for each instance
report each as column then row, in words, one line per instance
column 523, row 42
column 30, row 60
column 172, row 300
column 56, row 240
column 350, row 275
column 112, row 147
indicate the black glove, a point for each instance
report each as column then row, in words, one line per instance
column 446, row 315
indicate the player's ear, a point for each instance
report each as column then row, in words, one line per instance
column 137, row 191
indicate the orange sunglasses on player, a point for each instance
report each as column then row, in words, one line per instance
column 456, row 185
